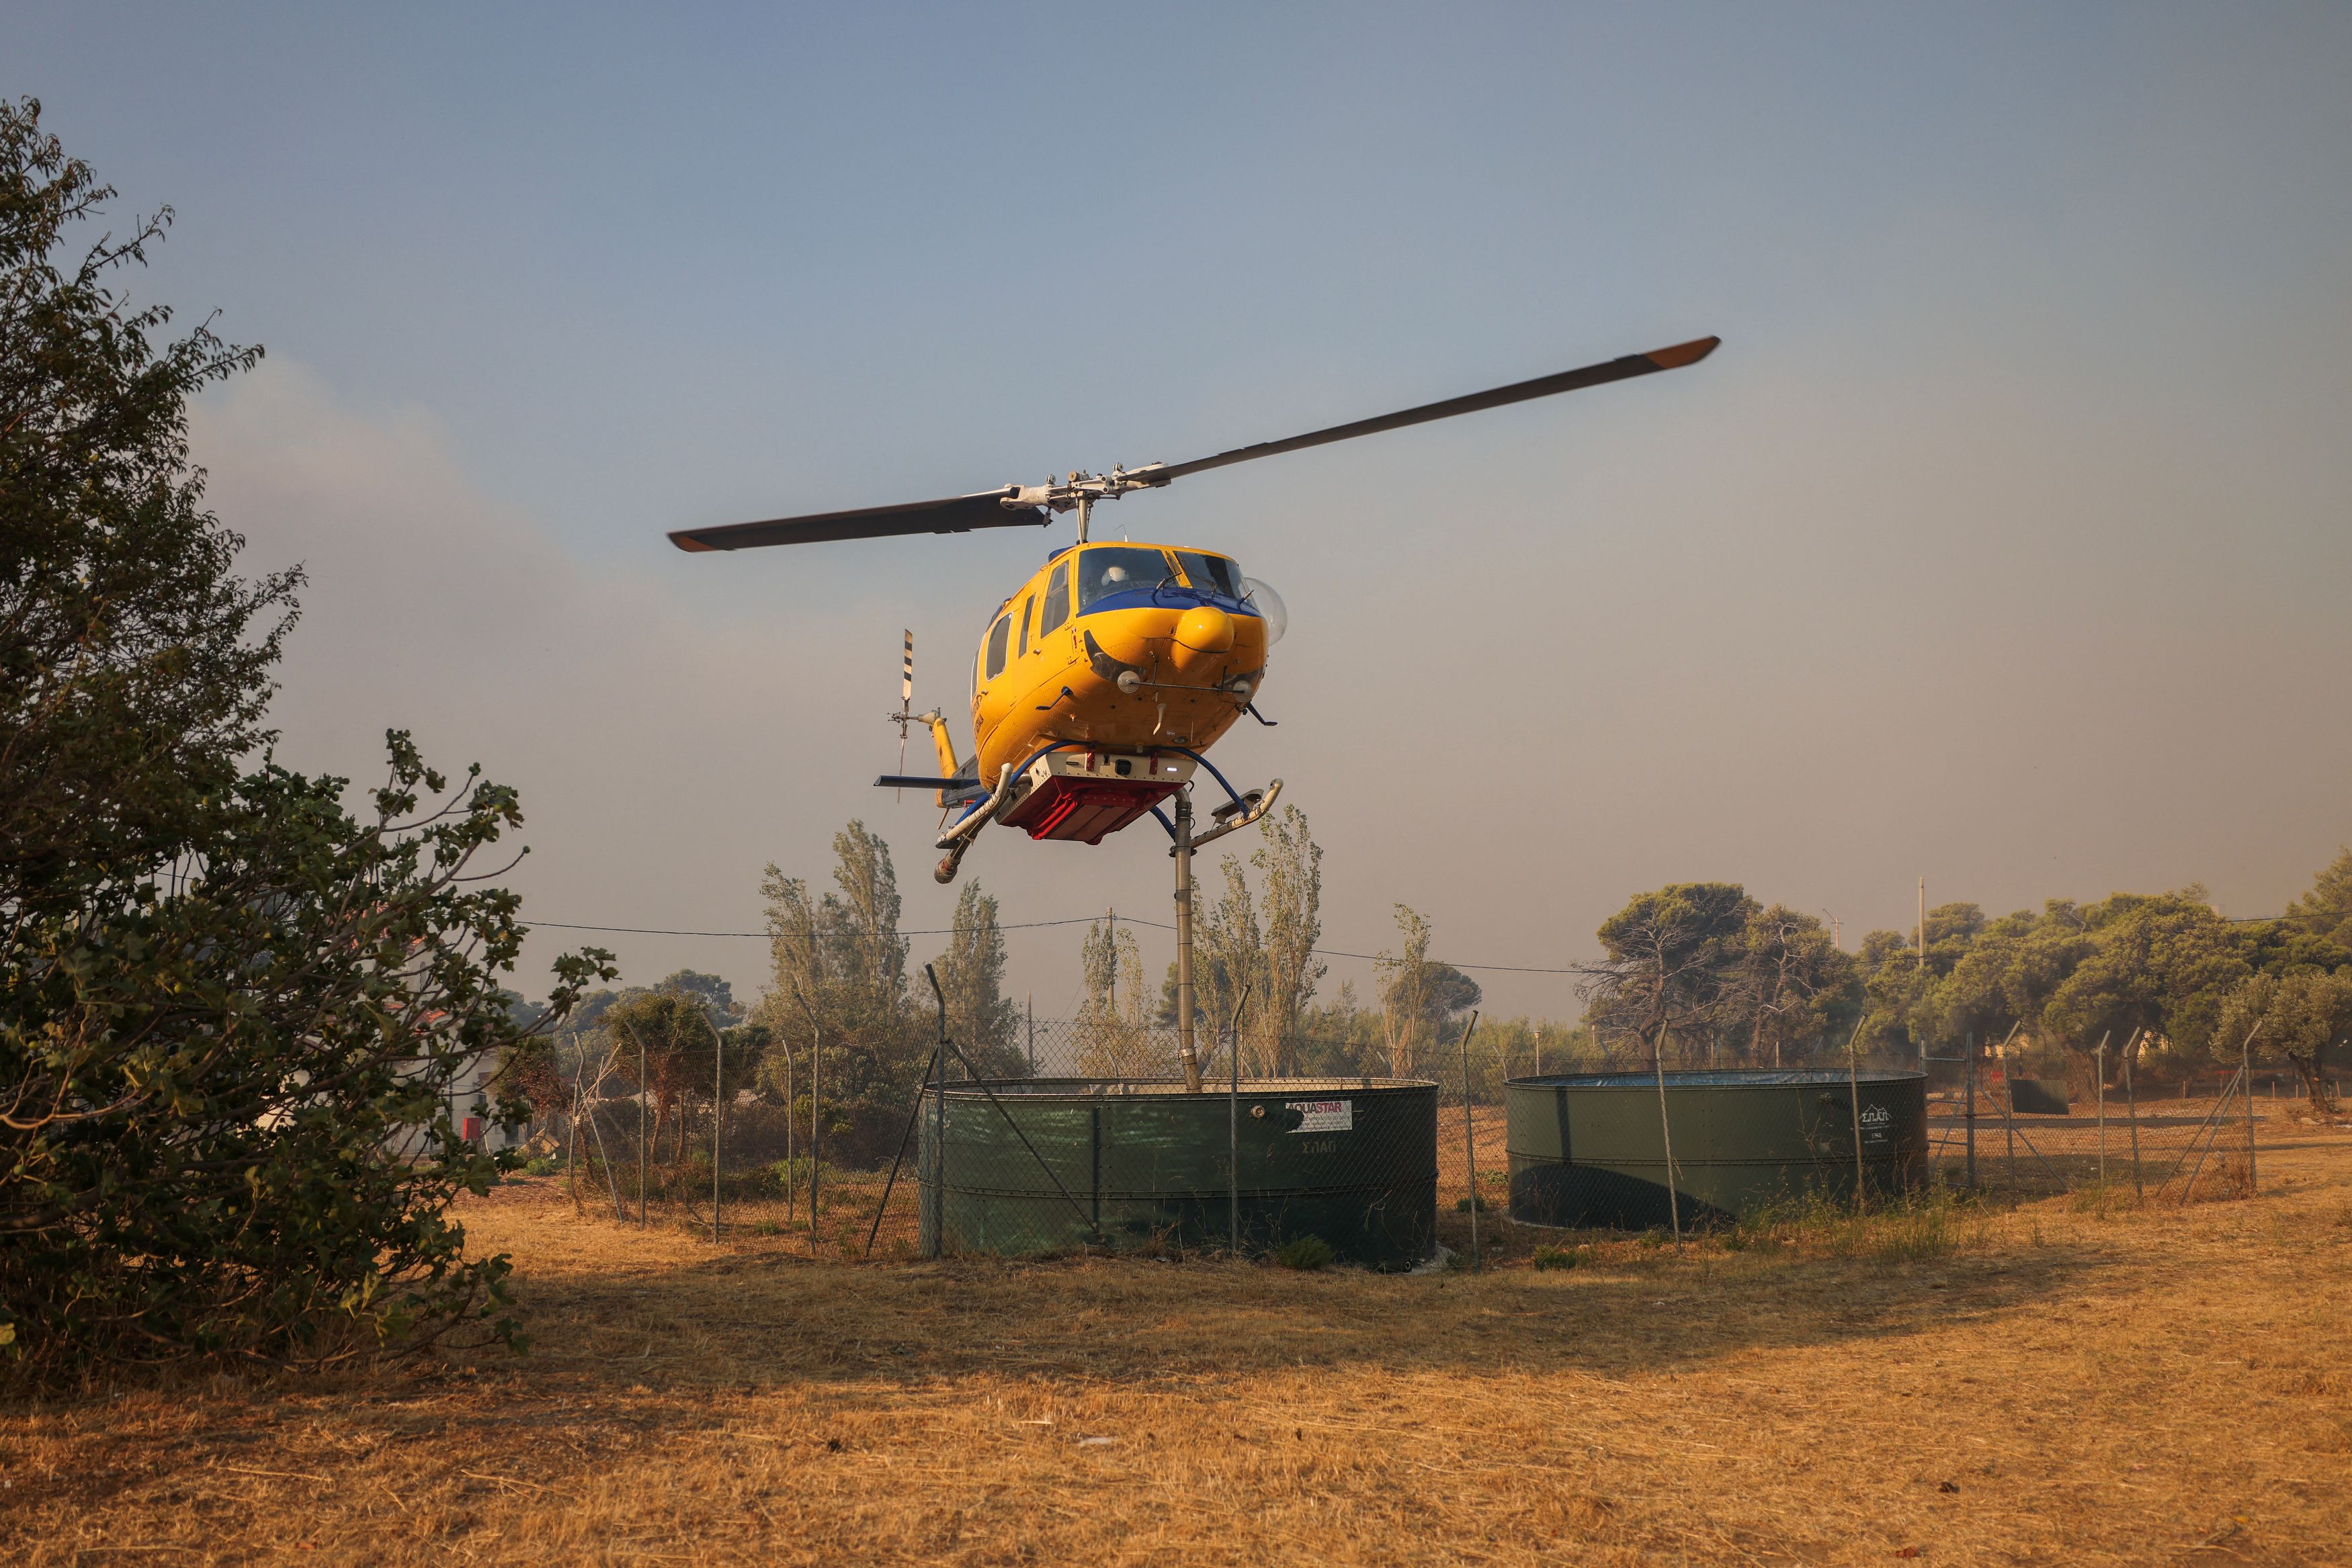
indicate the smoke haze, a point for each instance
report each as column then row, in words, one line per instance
column 2004, row 541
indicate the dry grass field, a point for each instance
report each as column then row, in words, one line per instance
column 2073, row 1382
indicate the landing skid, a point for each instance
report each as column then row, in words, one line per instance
column 1053, row 798
column 1069, row 790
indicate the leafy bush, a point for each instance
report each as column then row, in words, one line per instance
column 1549, row 1258
column 233, row 1018
column 1306, row 1254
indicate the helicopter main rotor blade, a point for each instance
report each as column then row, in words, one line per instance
column 953, row 515
column 1656, row 360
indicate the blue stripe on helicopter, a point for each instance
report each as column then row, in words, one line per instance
column 1174, row 596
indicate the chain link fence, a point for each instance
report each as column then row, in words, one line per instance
column 1994, row 1131
column 1100, row 1146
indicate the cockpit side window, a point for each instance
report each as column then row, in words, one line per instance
column 1027, row 605
column 1119, row 569
column 1212, row 572
column 1057, row 599
column 996, row 641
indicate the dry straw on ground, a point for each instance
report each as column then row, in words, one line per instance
column 2078, row 1381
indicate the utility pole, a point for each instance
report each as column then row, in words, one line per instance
column 1183, row 852
column 1029, row 1006
column 1922, row 922
column 1110, row 925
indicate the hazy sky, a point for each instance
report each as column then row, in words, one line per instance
column 2005, row 540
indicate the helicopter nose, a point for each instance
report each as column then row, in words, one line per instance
column 1204, row 635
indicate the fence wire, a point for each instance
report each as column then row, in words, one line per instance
column 2198, row 1137
column 1096, row 1145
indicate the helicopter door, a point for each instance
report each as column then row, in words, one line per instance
column 996, row 641
column 1057, row 599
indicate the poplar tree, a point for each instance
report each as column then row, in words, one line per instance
column 971, row 976
column 1290, row 864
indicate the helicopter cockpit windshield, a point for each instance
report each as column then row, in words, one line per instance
column 1213, row 573
column 1108, row 570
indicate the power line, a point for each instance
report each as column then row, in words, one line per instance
column 770, row 935
column 1029, row 925
column 1130, row 920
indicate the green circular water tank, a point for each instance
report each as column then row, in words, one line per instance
column 1135, row 1161
column 1588, row 1149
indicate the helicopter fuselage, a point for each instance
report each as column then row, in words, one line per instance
column 1098, row 675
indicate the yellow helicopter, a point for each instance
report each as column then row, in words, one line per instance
column 1101, row 681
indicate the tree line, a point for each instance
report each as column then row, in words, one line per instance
column 1701, row 973
column 1691, row 974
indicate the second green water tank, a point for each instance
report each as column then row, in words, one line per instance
column 1588, row 1149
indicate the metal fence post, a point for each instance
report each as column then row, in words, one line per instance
column 817, row 1039
column 939, row 1134
column 572, row 1161
column 718, row 1117
column 2131, row 1115
column 1470, row 1145
column 2099, row 1072
column 914, row 1114
column 1233, row 1150
column 1969, row 1114
column 2009, row 1103
column 1233, row 1123
column 645, row 1094
column 1854, row 1097
column 1666, row 1134
column 2245, row 1070
column 2214, row 1121
column 792, row 1161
